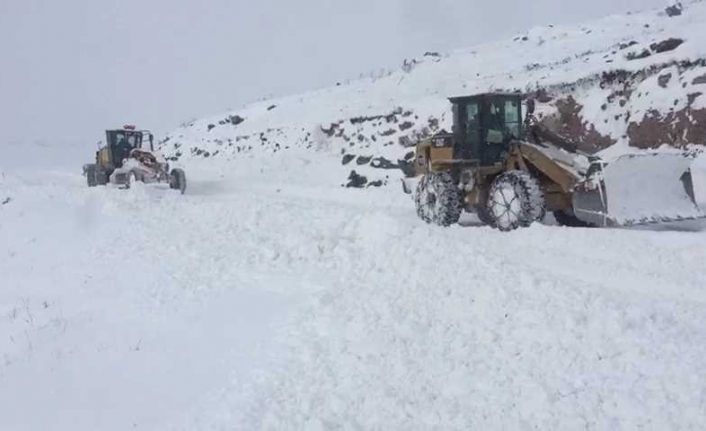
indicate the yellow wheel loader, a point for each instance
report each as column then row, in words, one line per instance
column 510, row 171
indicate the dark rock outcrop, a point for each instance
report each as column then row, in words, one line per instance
column 356, row 180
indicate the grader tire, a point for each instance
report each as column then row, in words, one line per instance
column 177, row 180
column 92, row 175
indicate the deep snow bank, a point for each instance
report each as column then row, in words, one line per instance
column 415, row 327
column 268, row 298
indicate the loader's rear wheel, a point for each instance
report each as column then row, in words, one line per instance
column 177, row 180
column 567, row 218
column 515, row 199
column 438, row 199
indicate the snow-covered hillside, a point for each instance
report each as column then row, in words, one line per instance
column 627, row 80
column 269, row 296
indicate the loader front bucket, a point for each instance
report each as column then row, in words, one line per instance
column 644, row 189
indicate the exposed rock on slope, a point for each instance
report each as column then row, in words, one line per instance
column 619, row 84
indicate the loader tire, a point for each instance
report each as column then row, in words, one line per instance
column 567, row 218
column 515, row 200
column 438, row 199
column 177, row 180
column 484, row 215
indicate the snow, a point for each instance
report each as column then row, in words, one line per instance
column 270, row 297
column 698, row 176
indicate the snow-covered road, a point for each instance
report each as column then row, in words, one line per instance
column 270, row 297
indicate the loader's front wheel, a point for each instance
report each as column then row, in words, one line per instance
column 515, row 199
column 438, row 199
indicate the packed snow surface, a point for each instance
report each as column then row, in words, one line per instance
column 264, row 299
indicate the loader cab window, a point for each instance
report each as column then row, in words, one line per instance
column 472, row 132
column 472, row 115
column 512, row 118
column 495, row 131
column 456, row 119
column 503, row 121
column 484, row 125
column 467, row 129
column 502, row 124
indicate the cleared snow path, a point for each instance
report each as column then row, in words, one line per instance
column 268, row 298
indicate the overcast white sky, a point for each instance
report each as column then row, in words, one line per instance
column 70, row 69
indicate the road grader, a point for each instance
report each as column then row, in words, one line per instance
column 129, row 156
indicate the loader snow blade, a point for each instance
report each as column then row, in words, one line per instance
column 644, row 189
